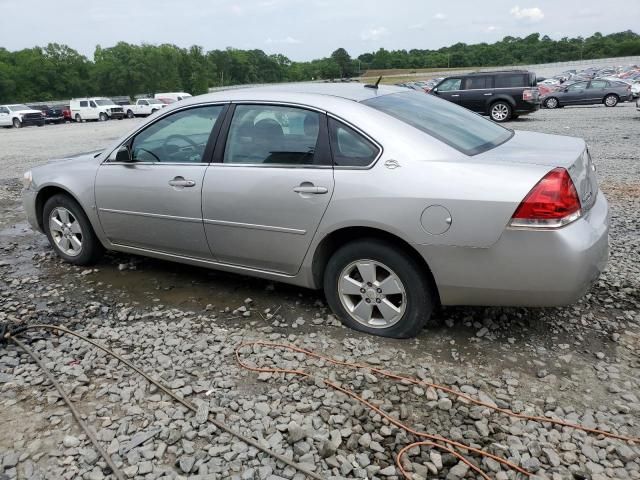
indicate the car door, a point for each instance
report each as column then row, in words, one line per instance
column 449, row 89
column 596, row 91
column 148, row 193
column 575, row 94
column 477, row 92
column 269, row 186
column 5, row 117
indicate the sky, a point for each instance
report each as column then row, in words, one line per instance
column 301, row 29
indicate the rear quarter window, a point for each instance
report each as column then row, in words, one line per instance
column 512, row 80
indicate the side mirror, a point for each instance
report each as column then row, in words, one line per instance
column 434, row 89
column 122, row 154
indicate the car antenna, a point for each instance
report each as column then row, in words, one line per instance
column 375, row 85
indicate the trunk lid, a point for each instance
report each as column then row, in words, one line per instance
column 551, row 151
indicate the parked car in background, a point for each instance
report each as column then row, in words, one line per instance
column 175, row 96
column 592, row 92
column 635, row 89
column 97, row 108
column 19, row 115
column 143, row 107
column 66, row 113
column 52, row 114
column 500, row 95
column 395, row 201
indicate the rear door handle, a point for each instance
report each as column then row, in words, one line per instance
column 310, row 188
column 488, row 94
column 181, row 182
column 455, row 95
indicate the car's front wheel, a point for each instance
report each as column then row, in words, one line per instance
column 377, row 288
column 500, row 112
column 130, row 114
column 78, row 118
column 103, row 117
column 69, row 231
column 551, row 102
column 17, row 123
column 611, row 100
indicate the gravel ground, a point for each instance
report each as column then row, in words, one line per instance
column 182, row 324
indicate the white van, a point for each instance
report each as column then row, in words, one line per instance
column 171, row 97
column 97, row 108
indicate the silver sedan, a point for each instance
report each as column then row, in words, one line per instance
column 392, row 201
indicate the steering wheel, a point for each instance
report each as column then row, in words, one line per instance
column 179, row 137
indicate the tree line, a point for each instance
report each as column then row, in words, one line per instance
column 59, row 72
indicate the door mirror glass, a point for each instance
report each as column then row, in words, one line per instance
column 434, row 89
column 122, row 154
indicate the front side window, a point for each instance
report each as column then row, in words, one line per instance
column 450, row 84
column 576, row 87
column 349, row 148
column 511, row 80
column 144, row 102
column 270, row 134
column 92, row 104
column 178, row 138
column 456, row 126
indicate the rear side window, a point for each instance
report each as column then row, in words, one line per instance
column 456, row 126
column 84, row 104
column 349, row 148
column 477, row 83
column 512, row 80
column 598, row 84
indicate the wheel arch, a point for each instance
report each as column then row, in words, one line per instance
column 44, row 194
column 334, row 240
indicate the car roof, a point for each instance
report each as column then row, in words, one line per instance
column 310, row 93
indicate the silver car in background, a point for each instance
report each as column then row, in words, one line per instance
column 392, row 201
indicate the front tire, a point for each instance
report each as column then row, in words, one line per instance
column 78, row 118
column 375, row 287
column 69, row 231
column 500, row 112
column 130, row 114
column 551, row 102
column 103, row 117
column 611, row 100
column 16, row 123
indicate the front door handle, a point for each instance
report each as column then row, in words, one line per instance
column 307, row 187
column 488, row 94
column 455, row 95
column 181, row 182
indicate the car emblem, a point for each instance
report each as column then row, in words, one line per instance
column 392, row 164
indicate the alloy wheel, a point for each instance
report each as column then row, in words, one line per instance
column 551, row 103
column 610, row 101
column 372, row 293
column 499, row 112
column 66, row 231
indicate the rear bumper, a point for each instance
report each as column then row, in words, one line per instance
column 526, row 267
column 527, row 108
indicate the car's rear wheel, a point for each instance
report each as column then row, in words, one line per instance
column 69, row 231
column 103, row 117
column 378, row 289
column 130, row 114
column 551, row 102
column 17, row 123
column 611, row 100
column 78, row 118
column 500, row 112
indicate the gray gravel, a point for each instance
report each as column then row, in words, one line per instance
column 580, row 363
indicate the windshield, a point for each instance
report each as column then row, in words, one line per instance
column 104, row 103
column 18, row 107
column 154, row 101
column 456, row 126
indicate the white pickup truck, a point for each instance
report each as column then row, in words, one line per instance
column 143, row 107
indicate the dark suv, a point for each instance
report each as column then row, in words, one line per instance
column 501, row 95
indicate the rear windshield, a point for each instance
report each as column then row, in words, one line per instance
column 456, row 126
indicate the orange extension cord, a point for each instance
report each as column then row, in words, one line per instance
column 430, row 439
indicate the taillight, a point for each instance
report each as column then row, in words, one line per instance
column 528, row 95
column 552, row 203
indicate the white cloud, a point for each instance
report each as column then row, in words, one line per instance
column 440, row 16
column 374, row 33
column 491, row 28
column 285, row 40
column 532, row 15
column 416, row 26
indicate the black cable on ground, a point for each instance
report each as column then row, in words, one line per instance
column 47, row 373
column 7, row 334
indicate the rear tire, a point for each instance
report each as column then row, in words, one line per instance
column 375, row 287
column 78, row 118
column 611, row 100
column 130, row 114
column 63, row 218
column 500, row 111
